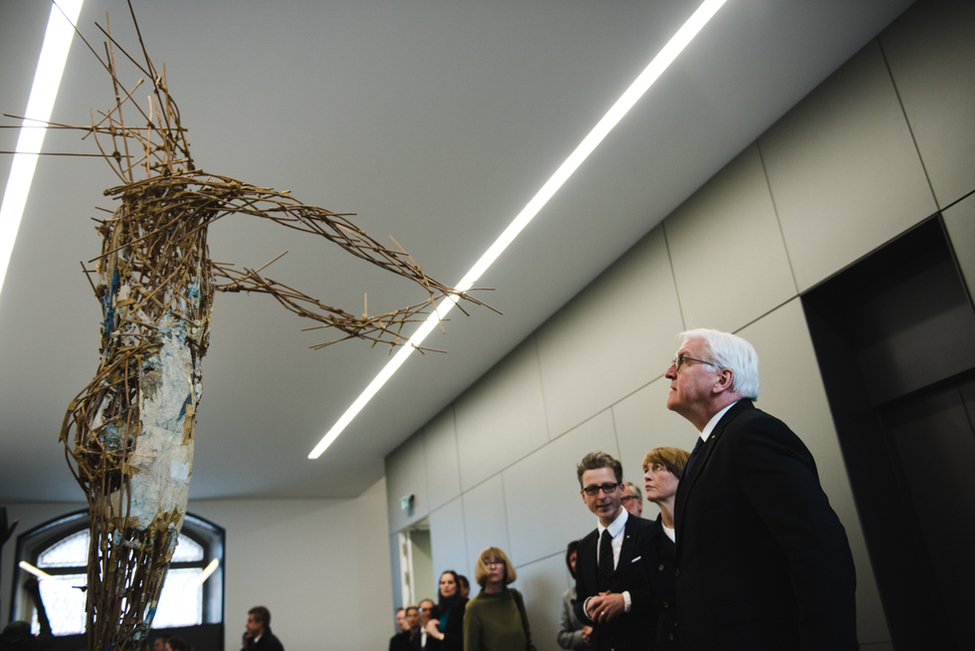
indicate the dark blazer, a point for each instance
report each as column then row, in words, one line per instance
column 664, row 587
column 454, row 632
column 762, row 561
column 635, row 629
column 400, row 641
column 268, row 642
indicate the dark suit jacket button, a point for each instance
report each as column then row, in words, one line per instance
column 660, row 568
column 677, row 572
column 666, row 604
column 670, row 636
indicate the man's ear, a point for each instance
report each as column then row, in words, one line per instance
column 724, row 381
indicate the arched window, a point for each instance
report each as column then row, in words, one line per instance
column 192, row 595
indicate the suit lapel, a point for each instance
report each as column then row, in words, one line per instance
column 701, row 461
column 626, row 550
column 589, row 566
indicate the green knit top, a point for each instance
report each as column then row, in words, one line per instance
column 493, row 623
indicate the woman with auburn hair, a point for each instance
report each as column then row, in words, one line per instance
column 495, row 619
column 664, row 467
column 447, row 620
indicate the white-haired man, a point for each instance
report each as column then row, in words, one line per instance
column 763, row 562
column 632, row 499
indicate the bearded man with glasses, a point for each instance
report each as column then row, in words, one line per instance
column 612, row 586
column 762, row 561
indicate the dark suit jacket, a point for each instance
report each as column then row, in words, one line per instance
column 400, row 641
column 635, row 629
column 454, row 632
column 432, row 643
column 268, row 642
column 762, row 561
column 664, row 587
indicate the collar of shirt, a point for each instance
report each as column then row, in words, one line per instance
column 706, row 432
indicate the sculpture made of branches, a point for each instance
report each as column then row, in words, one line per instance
column 129, row 433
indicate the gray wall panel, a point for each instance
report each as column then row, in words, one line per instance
column 406, row 475
column 542, row 584
column 602, row 346
column 448, row 542
column 728, row 230
column 931, row 54
column 843, row 169
column 545, row 508
column 440, row 457
column 485, row 522
column 502, row 417
column 643, row 423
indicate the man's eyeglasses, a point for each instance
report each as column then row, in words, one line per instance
column 626, row 498
column 606, row 488
column 680, row 359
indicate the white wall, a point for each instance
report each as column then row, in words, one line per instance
column 321, row 566
column 885, row 142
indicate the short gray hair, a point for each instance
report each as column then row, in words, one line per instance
column 732, row 352
column 636, row 489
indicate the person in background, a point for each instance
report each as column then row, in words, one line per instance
column 257, row 634
column 413, row 622
column 632, row 499
column 400, row 641
column 177, row 644
column 447, row 618
column 496, row 619
column 16, row 635
column 423, row 641
column 613, row 593
column 572, row 633
column 401, row 624
column 664, row 467
column 159, row 644
column 465, row 586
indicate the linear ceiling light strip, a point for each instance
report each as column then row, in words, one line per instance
column 47, row 79
column 636, row 90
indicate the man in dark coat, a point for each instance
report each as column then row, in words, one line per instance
column 612, row 582
column 258, row 636
column 762, row 561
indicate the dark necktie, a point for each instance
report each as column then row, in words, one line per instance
column 693, row 457
column 605, row 561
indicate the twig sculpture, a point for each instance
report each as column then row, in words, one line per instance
column 129, row 434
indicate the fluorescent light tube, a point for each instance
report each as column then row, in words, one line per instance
column 208, row 570
column 41, row 574
column 636, row 90
column 47, row 79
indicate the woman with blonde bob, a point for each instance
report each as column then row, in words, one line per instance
column 664, row 468
column 495, row 620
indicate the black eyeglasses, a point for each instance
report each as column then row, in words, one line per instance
column 626, row 498
column 606, row 488
column 680, row 359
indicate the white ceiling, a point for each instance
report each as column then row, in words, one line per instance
column 434, row 120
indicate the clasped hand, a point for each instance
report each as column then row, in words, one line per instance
column 605, row 607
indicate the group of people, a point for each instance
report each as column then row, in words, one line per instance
column 644, row 582
column 746, row 553
column 494, row 619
